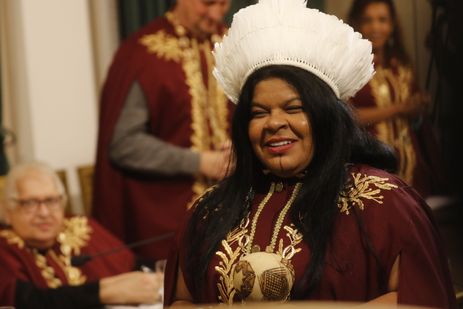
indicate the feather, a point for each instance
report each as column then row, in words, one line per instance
column 287, row 32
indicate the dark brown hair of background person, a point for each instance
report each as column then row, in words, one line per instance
column 394, row 49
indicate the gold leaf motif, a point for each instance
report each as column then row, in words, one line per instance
column 225, row 269
column 229, row 258
column 75, row 235
column 364, row 187
column 12, row 238
column 165, row 46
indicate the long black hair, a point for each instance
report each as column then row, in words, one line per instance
column 337, row 141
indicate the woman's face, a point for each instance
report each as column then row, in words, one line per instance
column 279, row 129
column 376, row 25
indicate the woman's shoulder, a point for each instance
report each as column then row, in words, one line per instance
column 354, row 170
column 384, row 203
column 371, row 192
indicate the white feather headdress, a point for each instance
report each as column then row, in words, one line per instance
column 287, row 32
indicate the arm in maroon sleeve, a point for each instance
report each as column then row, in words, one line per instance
column 424, row 277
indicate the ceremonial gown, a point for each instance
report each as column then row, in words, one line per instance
column 412, row 139
column 186, row 109
column 395, row 219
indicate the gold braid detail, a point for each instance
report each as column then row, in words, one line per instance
column 256, row 216
column 48, row 273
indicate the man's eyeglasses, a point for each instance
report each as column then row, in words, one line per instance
column 31, row 205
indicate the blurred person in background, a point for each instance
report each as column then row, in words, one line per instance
column 37, row 244
column 391, row 106
column 163, row 128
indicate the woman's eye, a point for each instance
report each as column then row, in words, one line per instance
column 257, row 113
column 294, row 109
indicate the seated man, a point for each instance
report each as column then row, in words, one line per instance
column 37, row 243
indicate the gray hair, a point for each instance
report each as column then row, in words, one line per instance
column 21, row 171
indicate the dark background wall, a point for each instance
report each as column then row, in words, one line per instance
column 135, row 13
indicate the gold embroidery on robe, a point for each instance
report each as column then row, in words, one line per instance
column 75, row 235
column 209, row 113
column 229, row 256
column 163, row 45
column 48, row 273
column 389, row 88
column 364, row 187
column 12, row 238
column 227, row 265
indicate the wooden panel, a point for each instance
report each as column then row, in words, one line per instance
column 85, row 174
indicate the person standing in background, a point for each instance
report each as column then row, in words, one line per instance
column 391, row 106
column 163, row 125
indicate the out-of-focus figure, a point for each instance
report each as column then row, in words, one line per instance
column 390, row 105
column 38, row 244
column 163, row 125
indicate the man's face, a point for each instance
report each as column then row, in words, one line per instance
column 202, row 17
column 38, row 212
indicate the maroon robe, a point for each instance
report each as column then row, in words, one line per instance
column 397, row 222
column 413, row 139
column 138, row 206
column 85, row 236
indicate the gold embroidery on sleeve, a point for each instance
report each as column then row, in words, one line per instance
column 364, row 187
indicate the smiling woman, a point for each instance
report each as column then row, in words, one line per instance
column 391, row 106
column 279, row 129
column 303, row 215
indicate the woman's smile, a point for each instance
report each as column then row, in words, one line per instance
column 279, row 129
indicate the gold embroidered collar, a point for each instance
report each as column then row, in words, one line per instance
column 75, row 235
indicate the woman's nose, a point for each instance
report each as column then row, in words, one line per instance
column 276, row 121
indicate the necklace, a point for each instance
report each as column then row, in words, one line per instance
column 270, row 248
column 266, row 275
